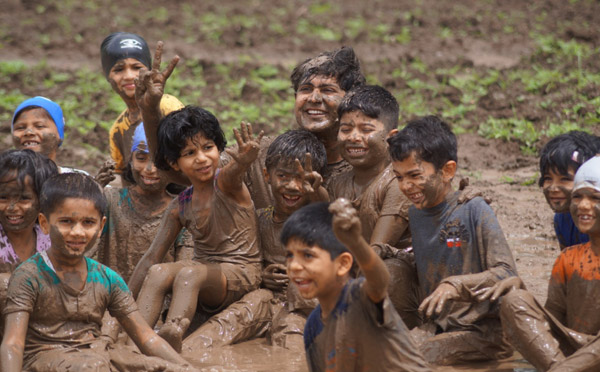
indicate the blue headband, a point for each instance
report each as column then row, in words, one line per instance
column 52, row 108
column 139, row 138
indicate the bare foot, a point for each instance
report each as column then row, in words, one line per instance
column 172, row 332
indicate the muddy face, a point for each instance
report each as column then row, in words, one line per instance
column 557, row 190
column 145, row 173
column 198, row 160
column 35, row 130
column 362, row 139
column 73, row 226
column 19, row 205
column 122, row 75
column 286, row 184
column 585, row 210
column 420, row 181
column 317, row 100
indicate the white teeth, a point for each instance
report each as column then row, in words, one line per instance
column 30, row 143
column 357, row 151
column 13, row 218
column 315, row 112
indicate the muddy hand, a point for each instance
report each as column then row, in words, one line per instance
column 346, row 224
column 106, row 174
column 311, row 180
column 468, row 192
column 499, row 289
column 150, row 85
column 275, row 277
column 434, row 304
column 248, row 144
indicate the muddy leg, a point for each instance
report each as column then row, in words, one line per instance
column 288, row 330
column 404, row 290
column 586, row 359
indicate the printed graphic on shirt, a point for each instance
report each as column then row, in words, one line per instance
column 454, row 234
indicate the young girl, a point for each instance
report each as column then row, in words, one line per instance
column 134, row 213
column 218, row 212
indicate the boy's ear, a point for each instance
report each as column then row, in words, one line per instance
column 44, row 224
column 391, row 133
column 102, row 224
column 266, row 175
column 174, row 166
column 449, row 170
column 344, row 263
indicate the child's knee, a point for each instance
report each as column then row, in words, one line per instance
column 159, row 276
column 191, row 275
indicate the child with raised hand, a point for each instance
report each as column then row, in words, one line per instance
column 459, row 248
column 57, row 298
column 294, row 160
column 123, row 55
column 217, row 210
column 559, row 161
column 134, row 213
column 355, row 326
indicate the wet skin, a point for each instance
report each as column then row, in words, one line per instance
column 286, row 182
column 317, row 100
column 36, row 131
column 362, row 140
column 585, row 209
column 19, row 205
column 422, row 184
column 146, row 175
column 198, row 160
column 122, row 76
column 557, row 190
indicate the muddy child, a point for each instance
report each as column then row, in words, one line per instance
column 56, row 299
column 123, row 55
column 459, row 248
column 218, row 212
column 562, row 336
column 355, row 326
column 134, row 213
column 294, row 160
column 559, row 161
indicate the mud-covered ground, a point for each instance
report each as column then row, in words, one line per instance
column 528, row 63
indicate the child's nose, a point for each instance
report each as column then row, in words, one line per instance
column 315, row 96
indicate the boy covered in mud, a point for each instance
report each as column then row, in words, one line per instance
column 562, row 336
column 57, row 298
column 355, row 326
column 559, row 161
column 459, row 248
column 294, row 160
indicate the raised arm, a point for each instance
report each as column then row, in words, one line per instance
column 13, row 343
column 312, row 181
column 170, row 226
column 347, row 228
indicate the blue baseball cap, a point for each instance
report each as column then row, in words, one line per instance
column 51, row 107
column 139, row 139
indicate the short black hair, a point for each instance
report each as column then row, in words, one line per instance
column 71, row 185
column 429, row 137
column 294, row 144
column 312, row 225
column 341, row 64
column 569, row 150
column 175, row 128
column 375, row 102
column 27, row 163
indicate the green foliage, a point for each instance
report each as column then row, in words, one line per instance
column 510, row 129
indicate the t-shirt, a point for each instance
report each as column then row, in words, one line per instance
column 360, row 335
column 463, row 245
column 121, row 133
column 9, row 259
column 566, row 232
column 574, row 289
column 128, row 233
column 380, row 198
column 61, row 316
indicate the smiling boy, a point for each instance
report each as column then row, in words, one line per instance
column 458, row 247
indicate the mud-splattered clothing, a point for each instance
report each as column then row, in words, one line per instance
column 380, row 198
column 566, row 232
column 128, row 233
column 62, row 317
column 9, row 259
column 360, row 335
column 121, row 133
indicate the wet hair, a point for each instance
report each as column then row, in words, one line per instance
column 375, row 102
column 341, row 64
column 175, row 128
column 71, row 185
column 294, row 144
column 429, row 137
column 312, row 225
column 27, row 163
column 568, row 150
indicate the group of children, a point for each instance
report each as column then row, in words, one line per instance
column 399, row 272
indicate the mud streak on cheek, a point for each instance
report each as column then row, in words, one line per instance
column 49, row 143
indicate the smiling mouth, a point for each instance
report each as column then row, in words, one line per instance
column 150, row 180
column 15, row 220
column 312, row 112
column 76, row 246
column 27, row 144
column 302, row 284
column 416, row 197
column 291, row 200
column 357, row 151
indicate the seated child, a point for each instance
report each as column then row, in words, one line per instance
column 458, row 248
column 123, row 55
column 56, row 299
column 216, row 210
column 355, row 326
column 562, row 335
column 559, row 160
column 134, row 213
column 276, row 309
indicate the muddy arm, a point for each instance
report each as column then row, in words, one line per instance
column 388, row 230
column 13, row 343
column 169, row 229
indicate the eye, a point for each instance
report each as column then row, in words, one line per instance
column 305, row 89
column 289, row 255
column 307, row 255
column 208, row 147
column 90, row 222
column 64, row 220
